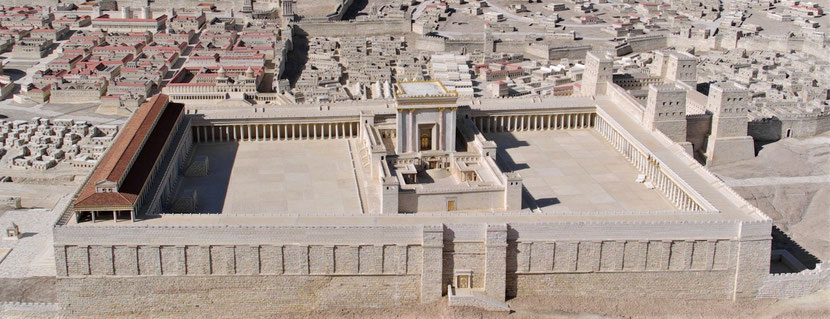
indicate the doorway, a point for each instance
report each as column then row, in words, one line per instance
column 425, row 137
column 463, row 279
column 450, row 205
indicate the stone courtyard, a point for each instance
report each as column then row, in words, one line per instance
column 276, row 178
column 575, row 170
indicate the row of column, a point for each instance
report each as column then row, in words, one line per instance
column 532, row 122
column 103, row 215
column 272, row 132
column 180, row 97
column 648, row 166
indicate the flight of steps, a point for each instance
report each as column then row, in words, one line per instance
column 363, row 174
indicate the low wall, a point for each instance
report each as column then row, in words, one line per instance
column 798, row 284
column 353, row 28
column 647, row 43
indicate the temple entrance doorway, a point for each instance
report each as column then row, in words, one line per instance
column 425, row 137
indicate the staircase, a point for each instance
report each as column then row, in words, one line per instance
column 361, row 168
column 474, row 298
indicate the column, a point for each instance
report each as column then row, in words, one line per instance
column 495, row 270
column 412, row 132
column 198, row 135
column 556, row 122
column 442, row 132
column 432, row 260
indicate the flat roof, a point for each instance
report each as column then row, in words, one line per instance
column 426, row 88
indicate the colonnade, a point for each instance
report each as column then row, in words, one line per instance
column 534, row 122
column 647, row 165
column 198, row 97
column 274, row 132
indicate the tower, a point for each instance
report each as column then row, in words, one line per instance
column 598, row 72
column 659, row 63
column 126, row 13
column 289, row 8
column 666, row 111
column 682, row 67
column 146, row 13
column 728, row 141
column 248, row 6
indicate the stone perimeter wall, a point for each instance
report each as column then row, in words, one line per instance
column 266, row 270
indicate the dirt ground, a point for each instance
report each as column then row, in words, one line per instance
column 812, row 306
column 817, row 305
column 789, row 181
column 32, row 289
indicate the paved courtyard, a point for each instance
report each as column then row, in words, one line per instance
column 575, row 170
column 294, row 177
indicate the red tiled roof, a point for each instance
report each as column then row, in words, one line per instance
column 139, row 143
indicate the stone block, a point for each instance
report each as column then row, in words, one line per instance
column 172, row 260
column 346, row 259
column 126, row 260
column 370, row 259
column 321, row 259
column 198, row 260
column 222, row 260
column 247, row 260
column 271, row 260
column 77, row 259
column 149, row 261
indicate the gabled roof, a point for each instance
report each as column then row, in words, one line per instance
column 132, row 156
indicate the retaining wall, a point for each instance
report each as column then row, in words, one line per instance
column 797, row 284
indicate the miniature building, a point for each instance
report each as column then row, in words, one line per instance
column 729, row 141
column 409, row 200
column 13, row 232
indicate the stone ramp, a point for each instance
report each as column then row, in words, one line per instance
column 475, row 299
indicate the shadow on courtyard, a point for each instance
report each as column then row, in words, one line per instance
column 505, row 141
column 297, row 58
column 212, row 190
column 782, row 241
column 356, row 9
